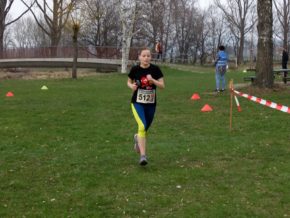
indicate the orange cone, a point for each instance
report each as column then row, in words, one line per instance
column 195, row 96
column 9, row 94
column 206, row 108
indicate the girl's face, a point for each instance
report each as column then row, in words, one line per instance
column 145, row 57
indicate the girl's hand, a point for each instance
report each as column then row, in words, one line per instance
column 150, row 79
column 134, row 86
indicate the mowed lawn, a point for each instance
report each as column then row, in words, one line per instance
column 68, row 151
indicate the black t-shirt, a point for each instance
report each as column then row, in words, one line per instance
column 145, row 93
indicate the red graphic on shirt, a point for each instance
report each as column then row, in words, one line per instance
column 144, row 82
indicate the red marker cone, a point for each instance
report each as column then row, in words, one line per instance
column 9, row 94
column 206, row 108
column 195, row 96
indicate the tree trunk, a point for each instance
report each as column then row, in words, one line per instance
column 75, row 46
column 286, row 9
column 241, row 48
column 1, row 44
column 54, row 44
column 125, row 54
column 2, row 27
column 128, row 20
column 264, row 69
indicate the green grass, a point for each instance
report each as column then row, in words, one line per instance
column 67, row 151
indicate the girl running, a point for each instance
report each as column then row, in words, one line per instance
column 143, row 79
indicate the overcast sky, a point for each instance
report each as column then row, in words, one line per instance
column 18, row 7
column 204, row 3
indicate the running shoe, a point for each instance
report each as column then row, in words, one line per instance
column 136, row 146
column 143, row 160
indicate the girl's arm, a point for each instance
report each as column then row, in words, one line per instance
column 131, row 84
column 159, row 83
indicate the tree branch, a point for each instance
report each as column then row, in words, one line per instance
column 9, row 23
column 36, row 19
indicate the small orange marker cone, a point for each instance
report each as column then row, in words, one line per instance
column 206, row 108
column 9, row 94
column 195, row 96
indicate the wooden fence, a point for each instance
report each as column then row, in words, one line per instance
column 67, row 52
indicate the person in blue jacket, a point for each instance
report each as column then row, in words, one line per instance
column 221, row 69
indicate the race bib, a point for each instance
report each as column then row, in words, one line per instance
column 145, row 96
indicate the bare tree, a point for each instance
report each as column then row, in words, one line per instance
column 154, row 21
column 168, row 27
column 5, row 7
column 217, row 30
column 203, row 31
column 128, row 16
column 283, row 16
column 26, row 33
column 264, row 68
column 237, row 13
column 184, row 17
column 100, row 28
column 55, row 16
column 8, row 40
column 75, row 26
column 155, row 24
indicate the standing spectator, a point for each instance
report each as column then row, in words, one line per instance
column 158, row 49
column 285, row 58
column 221, row 69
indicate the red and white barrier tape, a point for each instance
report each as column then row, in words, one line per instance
column 264, row 102
column 238, row 104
